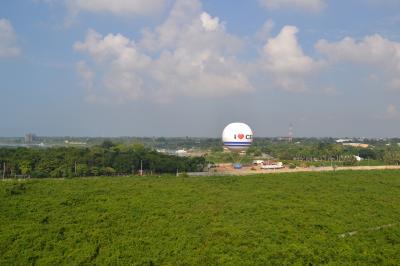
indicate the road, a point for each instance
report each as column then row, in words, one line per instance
column 226, row 169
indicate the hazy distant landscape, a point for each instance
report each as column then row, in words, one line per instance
column 76, row 157
column 73, row 157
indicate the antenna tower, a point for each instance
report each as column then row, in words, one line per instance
column 290, row 135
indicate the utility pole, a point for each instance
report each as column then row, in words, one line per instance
column 141, row 167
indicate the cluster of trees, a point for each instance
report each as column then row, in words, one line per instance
column 324, row 151
column 105, row 159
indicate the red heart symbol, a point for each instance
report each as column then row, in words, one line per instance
column 240, row 136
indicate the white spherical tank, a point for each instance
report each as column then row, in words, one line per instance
column 237, row 136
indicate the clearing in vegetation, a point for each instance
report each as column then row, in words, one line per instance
column 296, row 218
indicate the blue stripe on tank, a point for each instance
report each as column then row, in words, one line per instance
column 237, row 143
column 233, row 145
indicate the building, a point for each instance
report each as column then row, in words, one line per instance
column 181, row 153
column 258, row 162
column 357, row 145
column 343, row 140
column 358, row 158
column 29, row 138
column 275, row 165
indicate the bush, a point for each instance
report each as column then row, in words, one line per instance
column 16, row 189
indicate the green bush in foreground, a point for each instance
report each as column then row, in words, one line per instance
column 279, row 219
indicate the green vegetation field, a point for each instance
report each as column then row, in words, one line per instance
column 251, row 220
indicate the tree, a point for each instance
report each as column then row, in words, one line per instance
column 350, row 160
column 82, row 169
column 109, row 171
column 96, row 160
column 107, row 144
column 95, row 171
column 25, row 167
column 391, row 155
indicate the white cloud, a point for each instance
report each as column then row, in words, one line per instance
column 202, row 74
column 116, row 48
column 392, row 112
column 197, row 54
column 374, row 51
column 208, row 22
column 169, row 34
column 371, row 50
column 119, row 62
column 8, row 43
column 284, row 54
column 189, row 27
column 189, row 54
column 117, row 7
column 310, row 5
column 284, row 59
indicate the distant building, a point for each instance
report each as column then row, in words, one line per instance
column 161, row 150
column 343, row 140
column 181, row 153
column 258, row 162
column 357, row 145
column 29, row 138
column 274, row 165
column 74, row 142
column 358, row 158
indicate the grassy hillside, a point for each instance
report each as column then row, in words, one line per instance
column 252, row 220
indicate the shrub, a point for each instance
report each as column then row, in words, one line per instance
column 16, row 189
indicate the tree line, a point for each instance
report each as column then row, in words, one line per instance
column 104, row 159
column 323, row 151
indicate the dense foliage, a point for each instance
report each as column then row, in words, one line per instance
column 313, row 154
column 283, row 219
column 325, row 151
column 105, row 159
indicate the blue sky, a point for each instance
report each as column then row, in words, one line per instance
column 189, row 67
